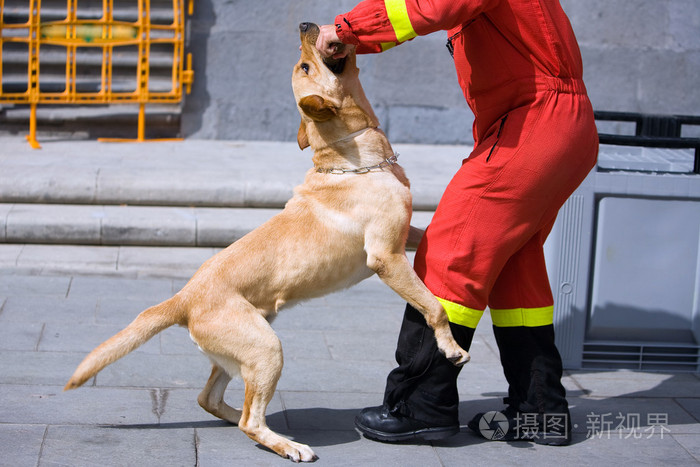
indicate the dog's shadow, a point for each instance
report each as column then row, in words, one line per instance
column 322, row 426
column 317, row 426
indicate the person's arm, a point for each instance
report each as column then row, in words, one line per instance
column 376, row 25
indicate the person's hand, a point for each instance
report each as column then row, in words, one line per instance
column 329, row 44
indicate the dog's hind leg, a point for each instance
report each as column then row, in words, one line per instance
column 246, row 340
column 260, row 372
column 211, row 398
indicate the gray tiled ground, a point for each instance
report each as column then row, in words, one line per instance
column 57, row 303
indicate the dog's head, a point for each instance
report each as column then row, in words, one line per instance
column 328, row 92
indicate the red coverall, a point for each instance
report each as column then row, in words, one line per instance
column 520, row 69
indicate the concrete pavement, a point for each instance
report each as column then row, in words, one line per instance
column 338, row 350
column 58, row 301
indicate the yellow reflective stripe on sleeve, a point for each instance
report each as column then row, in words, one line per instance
column 461, row 315
column 530, row 317
column 398, row 16
column 387, row 45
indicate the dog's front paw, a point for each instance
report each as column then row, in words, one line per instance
column 460, row 358
column 454, row 353
column 298, row 452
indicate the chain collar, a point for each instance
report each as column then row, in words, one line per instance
column 389, row 161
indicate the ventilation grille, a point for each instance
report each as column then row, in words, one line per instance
column 163, row 119
column 660, row 357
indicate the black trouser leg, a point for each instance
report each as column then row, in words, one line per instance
column 533, row 368
column 424, row 385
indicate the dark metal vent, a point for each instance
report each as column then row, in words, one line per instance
column 650, row 356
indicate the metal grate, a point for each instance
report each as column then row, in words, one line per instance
column 93, row 52
column 656, row 356
column 652, row 131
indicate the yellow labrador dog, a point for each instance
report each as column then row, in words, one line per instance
column 349, row 219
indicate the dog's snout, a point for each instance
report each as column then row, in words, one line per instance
column 309, row 31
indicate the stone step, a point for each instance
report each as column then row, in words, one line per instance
column 135, row 225
column 257, row 174
column 188, row 193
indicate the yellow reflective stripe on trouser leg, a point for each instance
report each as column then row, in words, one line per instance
column 461, row 315
column 530, row 317
column 398, row 16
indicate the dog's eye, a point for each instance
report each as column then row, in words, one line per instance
column 305, row 67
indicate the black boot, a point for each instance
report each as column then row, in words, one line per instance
column 421, row 399
column 380, row 424
column 537, row 408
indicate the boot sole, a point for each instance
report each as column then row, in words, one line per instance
column 427, row 434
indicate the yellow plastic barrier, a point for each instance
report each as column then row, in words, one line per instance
column 106, row 34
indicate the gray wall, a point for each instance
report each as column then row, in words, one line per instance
column 639, row 55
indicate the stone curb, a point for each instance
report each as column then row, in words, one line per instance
column 135, row 225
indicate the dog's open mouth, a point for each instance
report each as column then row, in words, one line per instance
column 335, row 65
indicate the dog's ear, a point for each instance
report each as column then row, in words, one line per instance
column 317, row 108
column 302, row 137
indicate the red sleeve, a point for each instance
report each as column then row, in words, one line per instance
column 376, row 25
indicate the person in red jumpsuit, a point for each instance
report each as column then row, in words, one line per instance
column 535, row 140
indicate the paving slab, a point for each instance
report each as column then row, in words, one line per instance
column 21, row 336
column 627, row 383
column 38, row 368
column 52, row 258
column 338, row 448
column 583, row 452
column 72, row 337
column 24, row 286
column 173, row 261
column 306, row 345
column 622, row 416
column 145, row 370
column 49, row 404
column 179, row 408
column 9, row 254
column 219, row 447
column 118, row 446
column 47, row 309
column 21, row 443
column 691, row 443
column 121, row 311
column 325, row 411
column 691, row 405
column 176, row 341
column 108, row 287
column 333, row 376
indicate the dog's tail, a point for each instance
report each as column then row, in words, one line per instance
column 146, row 325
